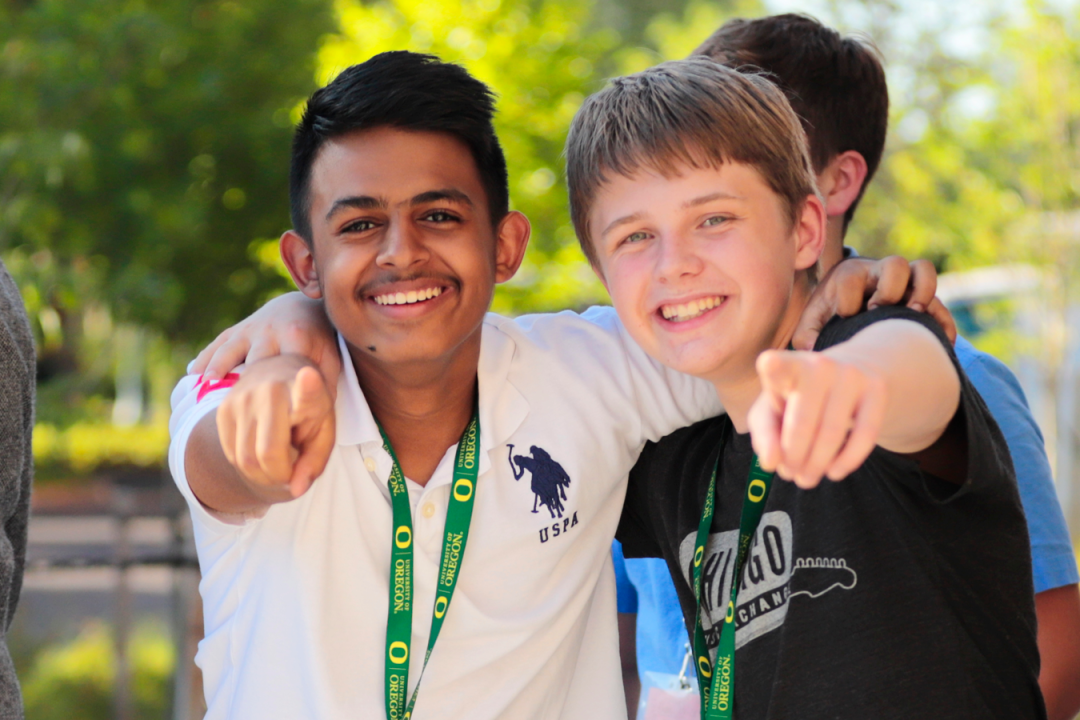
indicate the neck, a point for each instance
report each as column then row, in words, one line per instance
column 423, row 406
column 739, row 389
column 833, row 252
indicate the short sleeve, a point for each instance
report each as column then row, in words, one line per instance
column 626, row 596
column 596, row 348
column 1053, row 562
column 636, row 532
column 192, row 400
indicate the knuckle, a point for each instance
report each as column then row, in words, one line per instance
column 293, row 334
column 895, row 263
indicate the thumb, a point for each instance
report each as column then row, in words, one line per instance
column 312, row 419
column 314, row 454
column 309, row 398
column 764, row 422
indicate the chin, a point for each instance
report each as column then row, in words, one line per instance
column 692, row 361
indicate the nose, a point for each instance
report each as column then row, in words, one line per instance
column 402, row 247
column 677, row 258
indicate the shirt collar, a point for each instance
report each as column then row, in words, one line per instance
column 355, row 423
column 502, row 407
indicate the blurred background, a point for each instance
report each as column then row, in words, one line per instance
column 143, row 183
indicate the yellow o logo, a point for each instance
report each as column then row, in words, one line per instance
column 760, row 486
column 704, row 666
column 698, row 554
column 730, row 615
column 440, row 606
column 403, row 537
column 463, row 489
column 402, row 651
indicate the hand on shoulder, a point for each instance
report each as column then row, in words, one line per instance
column 859, row 284
column 291, row 323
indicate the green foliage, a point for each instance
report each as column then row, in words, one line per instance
column 150, row 141
column 76, row 679
column 86, row 446
column 981, row 148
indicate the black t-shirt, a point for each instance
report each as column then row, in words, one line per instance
column 890, row 594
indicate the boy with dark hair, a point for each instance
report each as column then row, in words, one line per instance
column 836, row 85
column 421, row 530
column 902, row 592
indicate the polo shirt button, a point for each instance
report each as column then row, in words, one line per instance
column 370, row 463
column 428, row 510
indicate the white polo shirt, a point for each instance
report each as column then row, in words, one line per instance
column 295, row 602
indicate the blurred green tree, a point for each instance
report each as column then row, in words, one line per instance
column 149, row 142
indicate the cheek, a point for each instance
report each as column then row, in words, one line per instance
column 628, row 282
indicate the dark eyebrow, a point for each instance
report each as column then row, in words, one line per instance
column 450, row 194
column 357, row 202
column 624, row 220
column 709, row 198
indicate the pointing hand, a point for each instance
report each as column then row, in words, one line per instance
column 816, row 416
column 277, row 427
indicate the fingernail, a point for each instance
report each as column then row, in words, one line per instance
column 918, row 307
column 189, row 366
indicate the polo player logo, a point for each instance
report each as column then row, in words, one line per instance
column 549, row 480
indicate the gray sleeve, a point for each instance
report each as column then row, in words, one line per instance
column 17, row 380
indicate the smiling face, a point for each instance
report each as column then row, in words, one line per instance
column 402, row 251
column 705, row 268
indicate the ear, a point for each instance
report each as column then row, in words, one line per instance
column 809, row 233
column 511, row 239
column 842, row 181
column 300, row 262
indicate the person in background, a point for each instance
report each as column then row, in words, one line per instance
column 837, row 87
column 18, row 372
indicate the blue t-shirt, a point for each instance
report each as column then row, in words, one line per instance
column 645, row 586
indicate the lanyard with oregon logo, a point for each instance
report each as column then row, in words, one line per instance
column 717, row 683
column 458, row 516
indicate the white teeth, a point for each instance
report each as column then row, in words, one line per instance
column 413, row 296
column 690, row 310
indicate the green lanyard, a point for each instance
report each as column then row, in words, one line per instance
column 458, row 517
column 717, row 683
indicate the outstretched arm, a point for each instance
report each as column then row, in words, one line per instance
column 821, row 414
